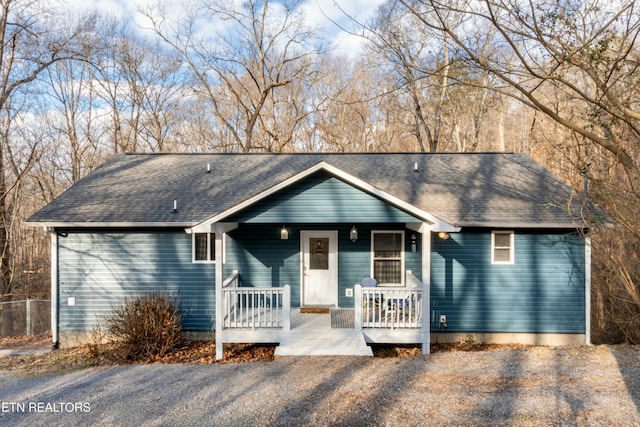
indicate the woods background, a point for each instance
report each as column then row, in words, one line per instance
column 556, row 80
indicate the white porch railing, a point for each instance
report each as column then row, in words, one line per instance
column 390, row 307
column 255, row 307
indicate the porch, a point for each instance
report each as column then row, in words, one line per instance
column 379, row 315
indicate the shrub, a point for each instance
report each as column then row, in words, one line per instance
column 146, row 327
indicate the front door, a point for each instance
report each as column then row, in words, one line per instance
column 319, row 268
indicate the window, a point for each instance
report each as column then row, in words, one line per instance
column 502, row 247
column 388, row 256
column 204, row 247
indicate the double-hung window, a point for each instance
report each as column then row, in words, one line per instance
column 388, row 256
column 502, row 247
column 204, row 247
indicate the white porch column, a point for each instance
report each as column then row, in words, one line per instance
column 286, row 308
column 357, row 296
column 424, row 229
column 426, row 280
column 220, row 229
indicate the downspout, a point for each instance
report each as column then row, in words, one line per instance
column 54, row 287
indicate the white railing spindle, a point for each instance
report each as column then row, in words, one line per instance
column 391, row 307
column 252, row 308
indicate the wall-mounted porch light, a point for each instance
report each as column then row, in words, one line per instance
column 414, row 244
column 353, row 234
column 443, row 235
column 284, row 233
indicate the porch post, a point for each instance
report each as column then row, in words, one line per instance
column 357, row 297
column 286, row 308
column 219, row 230
column 426, row 280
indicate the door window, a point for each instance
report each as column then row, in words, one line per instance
column 319, row 253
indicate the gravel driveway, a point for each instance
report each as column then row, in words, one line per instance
column 535, row 386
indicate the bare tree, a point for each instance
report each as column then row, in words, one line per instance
column 72, row 123
column 30, row 42
column 259, row 48
column 346, row 121
column 418, row 61
column 577, row 64
column 574, row 48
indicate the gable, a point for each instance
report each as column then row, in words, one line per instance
column 321, row 198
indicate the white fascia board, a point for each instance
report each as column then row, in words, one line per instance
column 438, row 224
column 51, row 225
column 422, row 227
column 515, row 224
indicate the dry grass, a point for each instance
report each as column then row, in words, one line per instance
column 31, row 342
column 193, row 352
column 91, row 355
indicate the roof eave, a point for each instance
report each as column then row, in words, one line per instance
column 528, row 225
column 78, row 224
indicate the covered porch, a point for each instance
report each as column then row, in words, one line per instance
column 309, row 242
column 380, row 315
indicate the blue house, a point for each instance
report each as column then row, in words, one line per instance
column 487, row 247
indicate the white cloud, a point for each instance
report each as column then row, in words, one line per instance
column 340, row 10
column 335, row 17
column 121, row 8
column 332, row 16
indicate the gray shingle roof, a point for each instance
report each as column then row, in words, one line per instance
column 486, row 190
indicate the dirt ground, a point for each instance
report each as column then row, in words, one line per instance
column 32, row 342
column 461, row 385
column 191, row 352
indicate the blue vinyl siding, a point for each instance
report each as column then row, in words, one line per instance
column 101, row 269
column 542, row 292
column 322, row 199
column 263, row 260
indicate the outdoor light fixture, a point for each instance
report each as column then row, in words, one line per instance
column 284, row 233
column 353, row 234
column 443, row 235
column 414, row 245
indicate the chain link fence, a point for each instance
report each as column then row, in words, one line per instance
column 26, row 317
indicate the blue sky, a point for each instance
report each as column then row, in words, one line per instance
column 317, row 12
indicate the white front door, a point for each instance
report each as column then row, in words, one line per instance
column 319, row 268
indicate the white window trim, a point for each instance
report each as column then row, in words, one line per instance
column 209, row 237
column 511, row 247
column 402, row 255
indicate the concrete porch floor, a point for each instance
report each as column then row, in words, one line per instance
column 312, row 335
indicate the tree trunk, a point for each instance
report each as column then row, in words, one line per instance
column 5, row 256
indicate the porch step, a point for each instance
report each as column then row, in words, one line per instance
column 323, row 342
